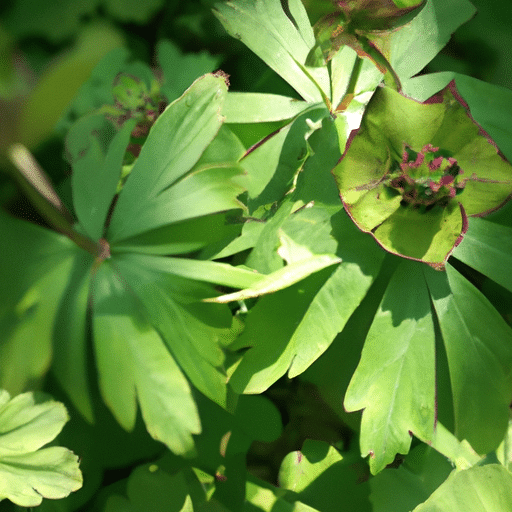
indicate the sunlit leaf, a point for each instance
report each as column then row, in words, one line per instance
column 281, row 327
column 414, row 45
column 477, row 489
column 398, row 393
column 478, row 346
column 29, row 473
column 187, row 126
column 320, row 477
column 270, row 34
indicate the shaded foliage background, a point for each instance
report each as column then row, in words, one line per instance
column 46, row 55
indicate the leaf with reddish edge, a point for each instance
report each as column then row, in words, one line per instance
column 351, row 22
column 422, row 169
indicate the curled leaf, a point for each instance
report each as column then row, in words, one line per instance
column 414, row 172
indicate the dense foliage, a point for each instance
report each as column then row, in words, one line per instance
column 265, row 272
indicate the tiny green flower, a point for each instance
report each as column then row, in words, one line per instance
column 413, row 172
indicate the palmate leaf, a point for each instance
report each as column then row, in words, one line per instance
column 143, row 366
column 28, row 472
column 398, row 392
column 170, row 184
column 93, row 185
column 149, row 324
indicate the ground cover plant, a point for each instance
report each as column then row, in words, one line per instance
column 256, row 254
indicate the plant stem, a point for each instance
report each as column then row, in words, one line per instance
column 37, row 186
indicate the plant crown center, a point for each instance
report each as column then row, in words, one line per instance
column 426, row 178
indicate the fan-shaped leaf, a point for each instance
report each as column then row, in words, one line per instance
column 134, row 363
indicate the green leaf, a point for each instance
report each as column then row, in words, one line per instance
column 459, row 453
column 174, row 145
column 403, row 488
column 398, row 393
column 190, row 329
column 477, row 489
column 484, row 244
column 183, row 237
column 251, row 107
column 274, row 165
column 414, row 45
column 278, row 41
column 127, row 344
column 478, row 346
column 34, row 269
column 264, row 497
column 280, row 327
column 95, row 178
column 322, row 478
column 27, row 473
column 207, row 271
column 71, row 357
column 153, row 487
column 208, row 190
column 282, row 278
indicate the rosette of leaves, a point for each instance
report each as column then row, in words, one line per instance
column 414, row 172
column 402, row 342
column 126, row 269
column 152, row 335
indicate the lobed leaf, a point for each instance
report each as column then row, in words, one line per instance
column 414, row 45
column 96, row 175
column 128, row 345
column 395, row 380
column 289, row 330
column 27, row 473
